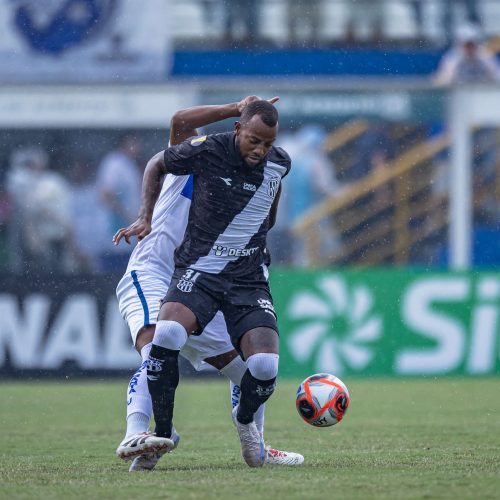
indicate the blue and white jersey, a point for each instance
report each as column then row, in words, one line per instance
column 155, row 253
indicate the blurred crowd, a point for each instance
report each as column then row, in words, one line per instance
column 63, row 221
column 309, row 22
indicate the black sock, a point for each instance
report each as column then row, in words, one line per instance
column 163, row 378
column 254, row 392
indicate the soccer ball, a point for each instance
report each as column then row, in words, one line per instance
column 322, row 400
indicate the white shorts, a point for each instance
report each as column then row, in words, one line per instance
column 139, row 297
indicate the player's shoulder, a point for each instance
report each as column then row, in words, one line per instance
column 280, row 157
column 209, row 141
column 189, row 147
column 220, row 140
column 197, row 143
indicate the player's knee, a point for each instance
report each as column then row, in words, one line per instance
column 175, row 311
column 170, row 335
column 259, row 340
column 264, row 365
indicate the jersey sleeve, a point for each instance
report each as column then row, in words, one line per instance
column 186, row 158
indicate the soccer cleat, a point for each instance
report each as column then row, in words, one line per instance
column 278, row 457
column 143, row 443
column 252, row 444
column 148, row 461
column 145, row 462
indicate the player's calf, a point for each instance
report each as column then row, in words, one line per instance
column 163, row 372
column 257, row 385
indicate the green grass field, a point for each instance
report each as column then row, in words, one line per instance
column 399, row 439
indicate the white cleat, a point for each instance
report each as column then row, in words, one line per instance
column 278, row 457
column 145, row 462
column 148, row 461
column 143, row 443
column 252, row 444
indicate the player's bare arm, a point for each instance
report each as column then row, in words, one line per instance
column 183, row 126
column 151, row 187
column 185, row 122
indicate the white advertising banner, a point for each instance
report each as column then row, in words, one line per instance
column 92, row 106
column 84, row 41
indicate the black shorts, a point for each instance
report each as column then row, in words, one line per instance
column 245, row 301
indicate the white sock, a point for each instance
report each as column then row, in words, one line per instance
column 235, row 392
column 136, row 422
column 235, row 370
column 259, row 419
column 139, row 407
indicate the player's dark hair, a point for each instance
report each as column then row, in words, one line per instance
column 267, row 112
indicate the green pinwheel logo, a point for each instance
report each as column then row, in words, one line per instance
column 333, row 326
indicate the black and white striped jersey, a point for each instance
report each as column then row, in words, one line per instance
column 229, row 214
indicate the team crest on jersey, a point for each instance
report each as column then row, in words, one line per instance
column 199, row 140
column 273, row 187
column 185, row 286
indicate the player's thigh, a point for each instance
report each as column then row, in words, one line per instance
column 213, row 344
column 139, row 297
column 190, row 301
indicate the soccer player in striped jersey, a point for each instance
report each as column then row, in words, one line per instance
column 221, row 263
column 145, row 284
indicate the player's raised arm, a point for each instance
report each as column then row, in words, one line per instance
column 179, row 159
column 185, row 122
column 151, row 187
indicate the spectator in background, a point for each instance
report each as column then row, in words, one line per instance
column 241, row 18
column 374, row 148
column 18, row 189
column 119, row 183
column 366, row 20
column 468, row 61
column 310, row 180
column 87, row 224
column 303, row 20
column 5, row 214
column 418, row 13
column 471, row 15
column 40, row 223
column 211, row 11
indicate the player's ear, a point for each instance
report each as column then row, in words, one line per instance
column 237, row 127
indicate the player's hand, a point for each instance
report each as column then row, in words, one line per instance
column 247, row 100
column 140, row 228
